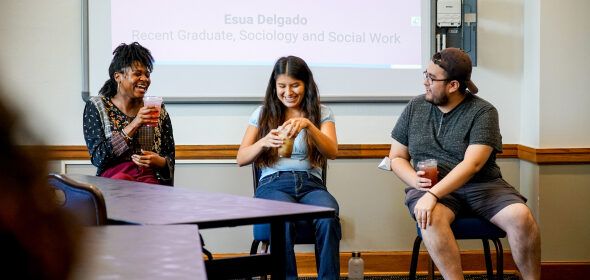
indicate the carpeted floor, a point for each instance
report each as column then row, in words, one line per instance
column 423, row 277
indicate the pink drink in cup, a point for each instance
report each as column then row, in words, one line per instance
column 155, row 101
column 430, row 169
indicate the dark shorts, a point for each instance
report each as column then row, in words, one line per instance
column 485, row 199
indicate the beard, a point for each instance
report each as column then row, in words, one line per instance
column 438, row 101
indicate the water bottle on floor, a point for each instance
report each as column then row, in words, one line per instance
column 356, row 266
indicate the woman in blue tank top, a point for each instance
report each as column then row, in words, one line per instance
column 291, row 110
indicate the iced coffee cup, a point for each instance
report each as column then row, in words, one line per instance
column 155, row 101
column 286, row 149
column 430, row 169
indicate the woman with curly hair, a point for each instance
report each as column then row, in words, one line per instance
column 124, row 138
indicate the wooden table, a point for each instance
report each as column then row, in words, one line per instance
column 148, row 204
column 141, row 252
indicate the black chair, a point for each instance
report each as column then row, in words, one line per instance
column 468, row 226
column 304, row 230
column 83, row 201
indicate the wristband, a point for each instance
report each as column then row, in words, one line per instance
column 437, row 199
column 125, row 135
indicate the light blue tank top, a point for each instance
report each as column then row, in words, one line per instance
column 299, row 160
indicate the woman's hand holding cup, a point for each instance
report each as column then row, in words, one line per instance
column 154, row 105
column 145, row 116
column 272, row 139
column 286, row 148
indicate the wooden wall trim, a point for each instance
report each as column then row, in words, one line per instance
column 348, row 151
column 554, row 155
column 398, row 263
column 393, row 262
column 67, row 152
column 564, row 270
column 207, row 151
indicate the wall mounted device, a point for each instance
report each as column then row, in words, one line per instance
column 455, row 25
column 448, row 13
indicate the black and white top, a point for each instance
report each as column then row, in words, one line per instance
column 103, row 123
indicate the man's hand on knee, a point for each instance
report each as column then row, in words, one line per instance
column 423, row 210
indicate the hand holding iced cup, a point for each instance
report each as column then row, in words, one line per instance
column 286, row 149
column 156, row 102
column 430, row 169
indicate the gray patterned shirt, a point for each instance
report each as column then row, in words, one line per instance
column 430, row 133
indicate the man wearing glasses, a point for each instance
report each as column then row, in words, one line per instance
column 461, row 131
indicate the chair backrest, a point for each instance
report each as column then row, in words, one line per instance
column 256, row 172
column 84, row 201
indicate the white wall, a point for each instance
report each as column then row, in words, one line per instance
column 530, row 114
column 40, row 65
column 564, row 60
column 226, row 124
column 535, row 84
column 500, row 54
column 564, row 41
column 565, row 190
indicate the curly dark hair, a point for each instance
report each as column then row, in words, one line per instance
column 274, row 112
column 125, row 56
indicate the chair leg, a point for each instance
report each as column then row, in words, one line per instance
column 208, row 254
column 415, row 253
column 488, row 258
column 430, row 269
column 499, row 258
column 264, row 247
column 205, row 251
column 254, row 250
column 254, row 247
column 317, row 259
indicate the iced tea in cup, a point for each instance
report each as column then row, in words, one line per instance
column 286, row 149
column 430, row 169
column 155, row 101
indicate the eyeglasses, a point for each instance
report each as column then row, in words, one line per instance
column 428, row 77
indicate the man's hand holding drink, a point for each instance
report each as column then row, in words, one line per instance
column 427, row 169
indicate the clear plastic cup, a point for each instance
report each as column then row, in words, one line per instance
column 430, row 169
column 155, row 101
column 286, row 149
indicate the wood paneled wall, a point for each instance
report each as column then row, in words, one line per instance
column 349, row 151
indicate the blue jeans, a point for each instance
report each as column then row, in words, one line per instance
column 302, row 187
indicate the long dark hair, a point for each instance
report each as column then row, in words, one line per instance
column 274, row 112
column 124, row 56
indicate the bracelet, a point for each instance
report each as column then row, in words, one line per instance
column 437, row 199
column 125, row 135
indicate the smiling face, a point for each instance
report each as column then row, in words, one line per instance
column 134, row 81
column 290, row 91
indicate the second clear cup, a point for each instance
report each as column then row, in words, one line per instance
column 286, row 149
